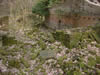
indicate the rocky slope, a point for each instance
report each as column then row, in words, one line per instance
column 37, row 52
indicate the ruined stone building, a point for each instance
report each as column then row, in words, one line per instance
column 73, row 13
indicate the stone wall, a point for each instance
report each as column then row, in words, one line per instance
column 71, row 21
column 75, row 13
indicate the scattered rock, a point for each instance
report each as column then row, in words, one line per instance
column 45, row 54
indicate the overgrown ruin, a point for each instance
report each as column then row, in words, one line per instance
column 74, row 13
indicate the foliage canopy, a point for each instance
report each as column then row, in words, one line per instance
column 42, row 7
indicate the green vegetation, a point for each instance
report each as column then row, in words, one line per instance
column 24, row 62
column 91, row 61
column 42, row 7
column 53, row 2
column 60, row 59
column 98, row 59
column 69, row 40
column 8, row 41
column 76, row 38
column 14, row 63
column 38, row 50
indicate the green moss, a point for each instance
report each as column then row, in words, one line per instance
column 82, row 65
column 26, row 69
column 13, row 63
column 5, row 73
column 51, row 38
column 62, row 37
column 91, row 61
column 33, row 56
column 6, row 53
column 38, row 67
column 98, row 59
column 42, row 44
column 60, row 59
column 24, row 62
column 75, row 39
column 92, row 52
column 69, row 72
column 98, row 45
column 68, row 51
column 77, row 73
column 65, row 65
column 7, row 41
column 98, row 72
column 72, row 70
column 69, row 40
column 21, row 73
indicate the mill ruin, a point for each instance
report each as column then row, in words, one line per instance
column 74, row 13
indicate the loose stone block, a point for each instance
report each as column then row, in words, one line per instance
column 45, row 54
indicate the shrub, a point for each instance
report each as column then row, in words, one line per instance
column 14, row 63
column 41, row 8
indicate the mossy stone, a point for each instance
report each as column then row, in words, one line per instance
column 75, row 39
column 69, row 40
column 7, row 41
